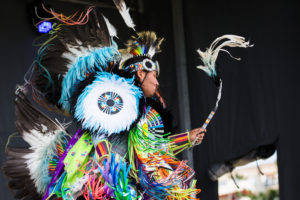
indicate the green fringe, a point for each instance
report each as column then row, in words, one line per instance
column 141, row 140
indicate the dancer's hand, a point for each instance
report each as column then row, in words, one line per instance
column 197, row 132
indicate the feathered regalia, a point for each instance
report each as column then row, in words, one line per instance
column 123, row 148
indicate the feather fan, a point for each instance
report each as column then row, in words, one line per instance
column 45, row 138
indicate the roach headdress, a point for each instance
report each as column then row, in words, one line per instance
column 140, row 48
column 140, row 51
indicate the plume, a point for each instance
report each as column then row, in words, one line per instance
column 147, row 43
column 111, row 29
column 210, row 56
column 124, row 11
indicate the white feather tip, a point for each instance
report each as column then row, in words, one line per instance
column 111, row 29
column 124, row 11
column 209, row 56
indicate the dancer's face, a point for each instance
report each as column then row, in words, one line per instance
column 149, row 82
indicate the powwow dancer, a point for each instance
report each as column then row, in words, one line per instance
column 124, row 148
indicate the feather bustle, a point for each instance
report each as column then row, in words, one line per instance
column 29, row 118
column 44, row 136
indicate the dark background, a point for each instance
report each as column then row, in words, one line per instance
column 261, row 92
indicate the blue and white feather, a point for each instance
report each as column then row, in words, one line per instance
column 88, row 61
column 108, row 105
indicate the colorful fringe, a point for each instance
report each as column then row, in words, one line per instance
column 154, row 167
column 179, row 142
column 84, row 176
column 106, row 181
column 60, row 148
column 115, row 173
column 83, row 18
column 160, row 174
column 62, row 21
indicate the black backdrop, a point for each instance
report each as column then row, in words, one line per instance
column 259, row 104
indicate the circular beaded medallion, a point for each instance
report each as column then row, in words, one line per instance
column 110, row 103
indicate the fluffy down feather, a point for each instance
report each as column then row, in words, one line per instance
column 82, row 66
column 89, row 113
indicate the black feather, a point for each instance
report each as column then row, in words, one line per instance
column 15, row 168
column 29, row 117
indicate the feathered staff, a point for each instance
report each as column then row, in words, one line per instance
column 209, row 58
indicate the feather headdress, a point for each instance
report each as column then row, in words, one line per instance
column 146, row 43
column 140, row 51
